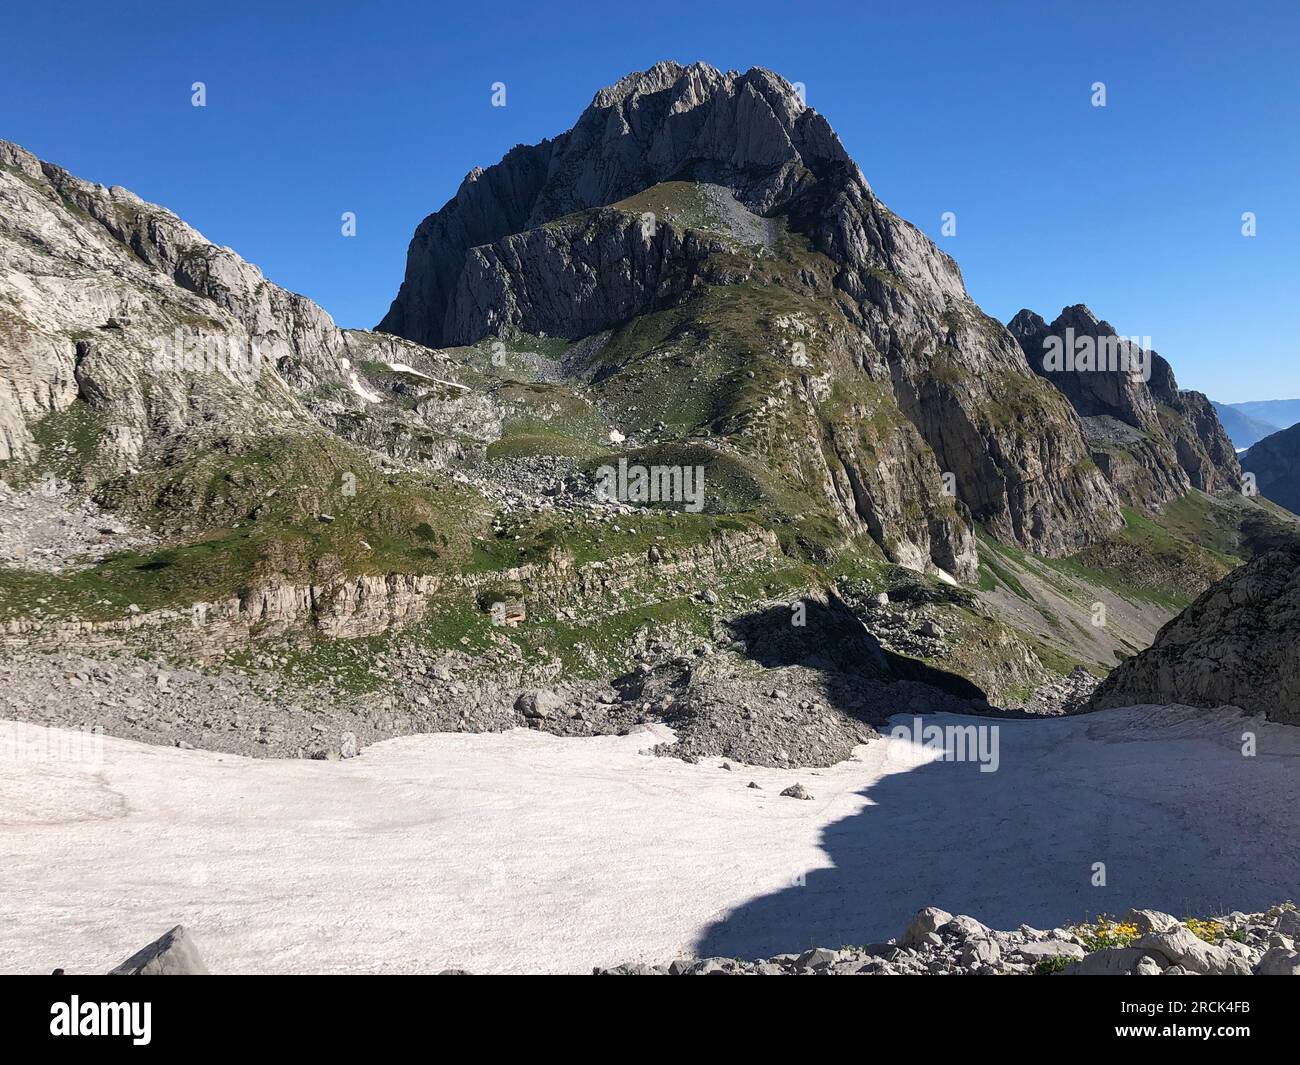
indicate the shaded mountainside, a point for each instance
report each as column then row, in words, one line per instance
column 1238, row 644
column 1275, row 462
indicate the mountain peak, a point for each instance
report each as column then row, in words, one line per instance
column 748, row 133
column 1027, row 324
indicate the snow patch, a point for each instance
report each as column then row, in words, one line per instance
column 521, row 851
column 355, row 384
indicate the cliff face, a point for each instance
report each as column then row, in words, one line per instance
column 680, row 180
column 158, row 340
column 1152, row 440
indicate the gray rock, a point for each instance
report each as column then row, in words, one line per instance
column 1288, row 924
column 538, row 704
column 1279, row 962
column 1048, row 948
column 965, row 928
column 1182, row 947
column 796, row 791
column 977, row 951
column 926, row 921
column 172, row 954
column 817, row 958
column 1110, row 961
column 1151, row 921
column 1230, row 647
column 348, row 745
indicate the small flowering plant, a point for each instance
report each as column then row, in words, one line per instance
column 1107, row 932
column 1209, row 930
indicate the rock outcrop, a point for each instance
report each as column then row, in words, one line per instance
column 117, row 313
column 1238, row 645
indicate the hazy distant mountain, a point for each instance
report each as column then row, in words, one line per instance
column 1241, row 428
column 1283, row 413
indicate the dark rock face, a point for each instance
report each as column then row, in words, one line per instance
column 1238, row 644
column 548, row 240
column 1151, row 440
column 574, row 278
column 1275, row 462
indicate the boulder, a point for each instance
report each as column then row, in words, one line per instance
column 1182, row 947
column 964, row 927
column 1279, row 962
column 1288, row 924
column 1150, row 921
column 817, row 958
column 980, row 951
column 538, row 704
column 1048, row 948
column 926, row 922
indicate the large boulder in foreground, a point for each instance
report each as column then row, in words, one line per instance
column 174, row 954
column 1238, row 645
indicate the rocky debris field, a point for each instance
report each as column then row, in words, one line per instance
column 47, row 529
column 1065, row 696
column 1142, row 943
column 936, row 943
column 719, row 704
column 759, row 692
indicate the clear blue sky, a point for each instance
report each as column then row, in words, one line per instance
column 978, row 108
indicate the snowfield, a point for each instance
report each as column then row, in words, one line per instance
column 521, row 851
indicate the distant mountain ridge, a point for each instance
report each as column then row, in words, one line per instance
column 1241, row 427
column 1282, row 413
